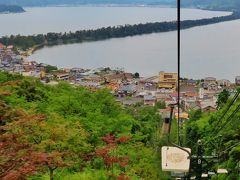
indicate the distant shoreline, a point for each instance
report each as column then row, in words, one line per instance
column 8, row 9
column 130, row 5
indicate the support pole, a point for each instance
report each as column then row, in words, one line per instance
column 199, row 161
column 178, row 61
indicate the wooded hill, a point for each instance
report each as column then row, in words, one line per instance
column 74, row 133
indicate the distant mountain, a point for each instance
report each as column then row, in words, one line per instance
column 207, row 4
column 67, row 2
column 215, row 4
column 10, row 9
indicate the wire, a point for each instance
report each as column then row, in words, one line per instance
column 225, row 124
column 223, row 115
column 229, row 148
column 228, row 108
column 229, row 118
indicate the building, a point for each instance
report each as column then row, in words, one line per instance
column 237, row 80
column 121, row 77
column 149, row 100
column 62, row 76
column 2, row 46
column 224, row 83
column 191, row 82
column 168, row 80
column 210, row 80
column 208, row 105
column 114, row 87
column 127, row 90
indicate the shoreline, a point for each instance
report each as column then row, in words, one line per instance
column 74, row 41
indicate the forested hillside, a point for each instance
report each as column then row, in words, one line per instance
column 219, row 133
column 71, row 132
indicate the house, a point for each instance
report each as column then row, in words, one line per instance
column 188, row 88
column 62, row 76
column 91, row 85
column 224, row 83
column 148, row 83
column 210, row 80
column 190, row 97
column 168, row 80
column 10, row 47
column 1, row 46
column 94, row 78
column 213, row 87
column 174, row 96
column 237, row 80
column 191, row 82
column 149, row 100
column 208, row 108
column 191, row 105
column 121, row 77
column 77, row 73
column 113, row 86
column 208, row 105
column 163, row 97
column 18, row 68
column 127, row 89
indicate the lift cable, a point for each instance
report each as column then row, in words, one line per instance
column 231, row 147
column 229, row 118
column 217, row 131
column 227, row 109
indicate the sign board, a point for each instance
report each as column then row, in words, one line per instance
column 175, row 159
column 222, row 171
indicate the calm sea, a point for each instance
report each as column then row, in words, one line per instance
column 212, row 50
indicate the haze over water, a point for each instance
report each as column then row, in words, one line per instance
column 206, row 51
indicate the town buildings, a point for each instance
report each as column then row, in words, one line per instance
column 128, row 89
column 168, row 80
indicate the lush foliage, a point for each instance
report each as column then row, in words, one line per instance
column 66, row 132
column 223, row 98
column 220, row 134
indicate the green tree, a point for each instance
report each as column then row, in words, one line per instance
column 222, row 98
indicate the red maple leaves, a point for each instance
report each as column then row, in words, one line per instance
column 106, row 153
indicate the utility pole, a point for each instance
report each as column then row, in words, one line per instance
column 178, row 61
